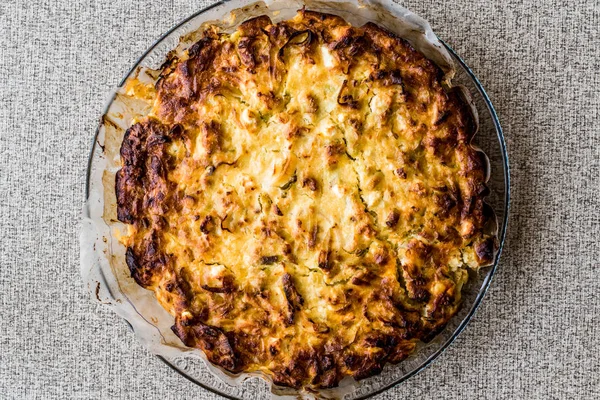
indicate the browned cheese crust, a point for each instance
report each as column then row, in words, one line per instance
column 303, row 198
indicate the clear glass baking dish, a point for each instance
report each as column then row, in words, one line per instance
column 107, row 278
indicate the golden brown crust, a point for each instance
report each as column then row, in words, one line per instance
column 303, row 198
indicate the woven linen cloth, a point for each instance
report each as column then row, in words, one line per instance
column 537, row 332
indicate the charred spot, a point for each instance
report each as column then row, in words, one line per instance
column 335, row 149
column 482, row 190
column 157, row 140
column 369, row 368
column 228, row 286
column 129, row 203
column 350, row 45
column 294, row 299
column 400, row 352
column 213, row 85
column 269, row 260
column 278, row 31
column 313, row 104
column 324, row 260
column 211, row 136
column 442, row 118
column 229, row 69
column 319, row 327
column 326, row 362
column 290, row 290
column 246, row 53
column 251, row 32
column 464, row 118
column 377, row 75
column 255, row 26
column 474, row 161
column 446, row 202
column 356, row 124
column 418, row 293
column 185, row 69
column 381, row 257
column 440, row 304
column 207, row 224
column 159, row 222
column 132, row 148
column 296, row 131
column 220, row 351
column 434, row 143
column 401, row 173
column 273, row 350
column 217, row 289
column 311, row 183
column 363, row 278
column 144, row 264
column 343, row 42
column 446, row 299
column 197, row 47
column 485, row 250
column 134, row 267
column 351, row 361
column 329, row 379
column 283, row 379
column 379, row 340
column 215, row 344
column 473, row 210
column 392, row 219
column 187, row 200
column 395, row 77
column 312, row 240
column 142, row 152
column 176, row 94
column 296, row 371
column 422, row 250
column 388, row 78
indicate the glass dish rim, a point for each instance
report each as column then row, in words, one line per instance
column 501, row 233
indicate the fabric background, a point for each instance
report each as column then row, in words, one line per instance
column 536, row 334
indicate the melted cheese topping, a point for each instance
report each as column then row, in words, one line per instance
column 316, row 209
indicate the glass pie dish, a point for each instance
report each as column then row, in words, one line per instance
column 102, row 255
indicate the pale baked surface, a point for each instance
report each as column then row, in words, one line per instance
column 303, row 198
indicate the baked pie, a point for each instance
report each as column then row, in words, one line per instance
column 303, row 198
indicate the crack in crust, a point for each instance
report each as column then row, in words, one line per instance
column 303, row 198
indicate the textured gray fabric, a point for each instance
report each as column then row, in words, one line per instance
column 537, row 333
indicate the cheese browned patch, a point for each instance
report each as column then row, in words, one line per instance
column 303, row 198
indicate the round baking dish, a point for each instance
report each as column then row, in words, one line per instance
column 99, row 249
